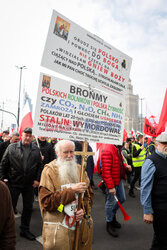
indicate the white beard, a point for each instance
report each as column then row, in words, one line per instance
column 68, row 171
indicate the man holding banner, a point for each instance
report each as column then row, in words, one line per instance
column 79, row 114
column 58, row 192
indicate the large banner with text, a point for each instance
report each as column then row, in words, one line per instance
column 73, row 51
column 76, row 112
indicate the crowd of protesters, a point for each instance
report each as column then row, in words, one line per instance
column 24, row 160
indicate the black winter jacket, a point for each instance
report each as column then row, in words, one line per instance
column 3, row 147
column 46, row 150
column 11, row 166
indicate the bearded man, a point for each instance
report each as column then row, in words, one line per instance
column 154, row 192
column 59, row 188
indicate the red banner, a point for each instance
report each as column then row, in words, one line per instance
column 150, row 126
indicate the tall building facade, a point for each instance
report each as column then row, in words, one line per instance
column 132, row 109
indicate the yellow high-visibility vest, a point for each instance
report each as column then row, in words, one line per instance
column 148, row 148
column 139, row 160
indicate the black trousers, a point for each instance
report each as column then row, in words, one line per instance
column 28, row 199
column 160, row 228
column 137, row 176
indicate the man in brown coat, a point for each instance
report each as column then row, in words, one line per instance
column 59, row 188
column 7, row 220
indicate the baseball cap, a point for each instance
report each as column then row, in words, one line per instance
column 27, row 130
column 162, row 138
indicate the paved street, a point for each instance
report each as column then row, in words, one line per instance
column 134, row 234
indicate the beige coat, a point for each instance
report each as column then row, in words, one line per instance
column 55, row 236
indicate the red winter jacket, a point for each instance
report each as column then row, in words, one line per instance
column 110, row 166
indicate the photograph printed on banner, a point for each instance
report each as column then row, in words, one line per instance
column 46, row 81
column 61, row 28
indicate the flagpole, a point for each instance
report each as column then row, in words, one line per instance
column 18, row 114
column 162, row 125
column 83, row 164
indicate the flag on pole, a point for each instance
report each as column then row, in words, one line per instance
column 138, row 133
column 26, row 120
column 125, row 135
column 162, row 126
column 133, row 133
column 150, row 126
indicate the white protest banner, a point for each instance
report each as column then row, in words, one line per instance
column 73, row 51
column 69, row 111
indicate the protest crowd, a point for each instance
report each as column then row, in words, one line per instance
column 46, row 170
column 58, row 174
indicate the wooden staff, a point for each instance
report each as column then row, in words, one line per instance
column 85, row 154
column 39, row 148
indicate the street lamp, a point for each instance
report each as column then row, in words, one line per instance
column 9, row 113
column 18, row 114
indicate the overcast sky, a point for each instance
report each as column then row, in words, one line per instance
column 137, row 28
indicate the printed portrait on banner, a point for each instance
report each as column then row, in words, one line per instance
column 61, row 28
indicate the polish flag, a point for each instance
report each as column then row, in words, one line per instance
column 133, row 133
column 138, row 133
column 162, row 126
column 26, row 118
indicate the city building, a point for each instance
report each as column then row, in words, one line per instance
column 132, row 119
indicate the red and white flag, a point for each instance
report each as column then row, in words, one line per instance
column 133, row 133
column 150, row 126
column 162, row 126
column 138, row 133
column 26, row 118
